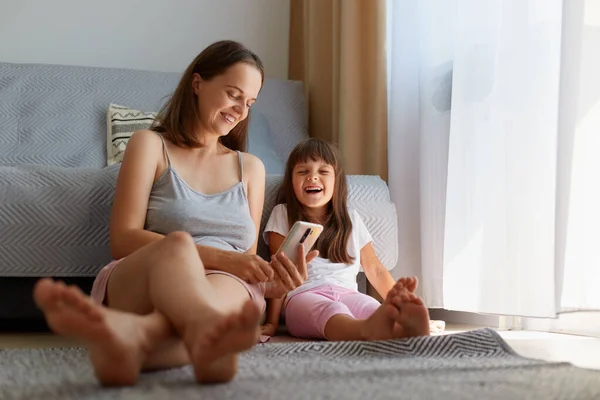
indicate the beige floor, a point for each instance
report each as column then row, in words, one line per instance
column 579, row 350
column 582, row 351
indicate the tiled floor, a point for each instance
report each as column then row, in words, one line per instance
column 579, row 350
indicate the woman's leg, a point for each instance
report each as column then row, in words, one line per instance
column 171, row 280
column 161, row 291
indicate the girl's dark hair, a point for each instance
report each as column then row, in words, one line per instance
column 332, row 243
column 178, row 118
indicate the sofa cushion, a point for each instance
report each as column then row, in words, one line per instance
column 261, row 140
column 121, row 123
column 54, row 221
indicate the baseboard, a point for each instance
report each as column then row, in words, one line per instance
column 464, row 318
column 576, row 323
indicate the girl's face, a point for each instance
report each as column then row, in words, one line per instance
column 314, row 184
column 225, row 100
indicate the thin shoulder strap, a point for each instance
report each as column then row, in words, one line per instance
column 165, row 149
column 241, row 165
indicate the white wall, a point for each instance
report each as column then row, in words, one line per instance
column 159, row 35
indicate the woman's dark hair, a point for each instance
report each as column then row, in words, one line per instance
column 178, row 118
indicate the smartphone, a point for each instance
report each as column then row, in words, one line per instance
column 304, row 233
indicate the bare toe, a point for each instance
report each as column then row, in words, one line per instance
column 44, row 293
column 412, row 284
column 406, row 283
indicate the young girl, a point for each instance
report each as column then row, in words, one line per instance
column 328, row 305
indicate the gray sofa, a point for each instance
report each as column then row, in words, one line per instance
column 56, row 190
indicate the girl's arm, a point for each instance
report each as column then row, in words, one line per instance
column 274, row 307
column 375, row 271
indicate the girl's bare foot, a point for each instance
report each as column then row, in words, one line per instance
column 410, row 315
column 409, row 283
column 118, row 342
column 402, row 314
column 214, row 349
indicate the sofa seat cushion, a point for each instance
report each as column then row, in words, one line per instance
column 54, row 221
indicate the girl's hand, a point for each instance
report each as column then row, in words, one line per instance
column 268, row 330
column 250, row 268
column 287, row 273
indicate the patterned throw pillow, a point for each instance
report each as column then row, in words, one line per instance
column 121, row 122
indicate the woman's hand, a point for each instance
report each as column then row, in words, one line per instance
column 289, row 276
column 250, row 268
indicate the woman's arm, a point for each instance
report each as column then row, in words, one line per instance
column 142, row 163
column 137, row 174
column 375, row 271
column 255, row 183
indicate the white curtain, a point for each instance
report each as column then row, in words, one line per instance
column 421, row 50
column 497, row 199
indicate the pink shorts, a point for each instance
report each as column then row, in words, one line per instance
column 256, row 291
column 307, row 313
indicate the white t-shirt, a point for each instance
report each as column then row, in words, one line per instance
column 322, row 271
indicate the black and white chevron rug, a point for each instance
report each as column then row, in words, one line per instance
column 471, row 365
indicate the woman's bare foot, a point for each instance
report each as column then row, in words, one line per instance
column 402, row 314
column 118, row 342
column 215, row 348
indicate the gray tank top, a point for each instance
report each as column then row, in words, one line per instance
column 220, row 220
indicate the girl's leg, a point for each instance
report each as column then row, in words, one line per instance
column 402, row 314
column 154, row 294
column 316, row 314
column 351, row 326
column 361, row 306
column 307, row 313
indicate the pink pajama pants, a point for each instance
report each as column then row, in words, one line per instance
column 307, row 313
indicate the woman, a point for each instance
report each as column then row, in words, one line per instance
column 186, row 284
